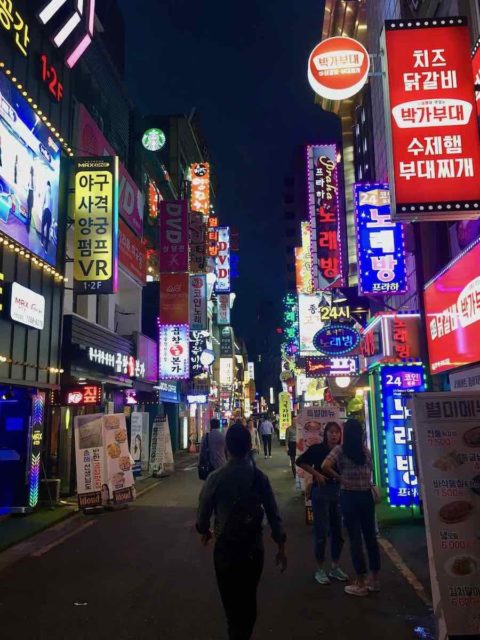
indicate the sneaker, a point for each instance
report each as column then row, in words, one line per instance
column 269, row 456
column 338, row 574
column 321, row 577
column 374, row 586
column 356, row 590
column 266, row 457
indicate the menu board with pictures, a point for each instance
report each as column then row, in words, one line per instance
column 447, row 427
column 119, row 461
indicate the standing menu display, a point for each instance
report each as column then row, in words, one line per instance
column 447, row 427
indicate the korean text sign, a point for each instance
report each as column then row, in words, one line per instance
column 223, row 309
column 95, row 266
column 200, row 188
column 435, row 151
column 448, row 452
column 380, row 242
column 222, row 261
column 309, row 321
column 452, row 310
column 198, row 344
column 174, row 291
column 131, row 253
column 174, row 236
column 394, row 381
column 284, row 412
column 198, row 302
column 174, row 353
column 325, row 204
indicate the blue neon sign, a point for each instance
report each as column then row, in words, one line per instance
column 380, row 242
column 395, row 380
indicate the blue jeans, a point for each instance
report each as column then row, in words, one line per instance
column 327, row 520
column 358, row 510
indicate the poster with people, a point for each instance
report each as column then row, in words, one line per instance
column 161, row 454
column 447, row 435
column 29, row 175
column 139, row 437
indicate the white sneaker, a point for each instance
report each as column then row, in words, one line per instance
column 374, row 586
column 356, row 590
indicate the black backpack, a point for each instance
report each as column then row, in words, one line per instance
column 244, row 523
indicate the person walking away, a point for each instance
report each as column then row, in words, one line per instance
column 213, row 448
column 351, row 464
column 255, row 438
column 291, row 444
column 266, row 431
column 46, row 216
column 327, row 518
column 239, row 494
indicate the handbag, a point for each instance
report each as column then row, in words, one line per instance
column 205, row 467
column 376, row 495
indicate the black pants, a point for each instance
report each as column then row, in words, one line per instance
column 267, row 444
column 358, row 509
column 238, row 575
column 46, row 222
column 292, row 454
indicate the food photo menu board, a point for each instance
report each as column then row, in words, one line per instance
column 447, row 432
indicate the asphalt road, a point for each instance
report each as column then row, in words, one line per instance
column 141, row 573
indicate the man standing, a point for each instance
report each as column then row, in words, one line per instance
column 240, row 495
column 212, row 449
column 266, row 431
column 46, row 216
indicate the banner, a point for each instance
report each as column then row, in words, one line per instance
column 222, row 261
column 200, row 187
column 198, row 344
column 223, row 309
column 284, row 412
column 173, row 230
column 198, row 302
column 161, row 454
column 309, row 321
column 174, row 356
column 174, row 298
column 136, row 441
column 119, row 467
column 382, row 268
column 447, row 435
column 95, row 239
column 198, row 243
column 434, row 151
column 131, row 254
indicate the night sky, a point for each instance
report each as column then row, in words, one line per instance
column 243, row 67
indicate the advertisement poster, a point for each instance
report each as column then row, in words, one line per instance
column 161, row 454
column 284, row 412
column 447, row 428
column 198, row 302
column 453, row 313
column 92, row 489
column 174, row 352
column 95, row 239
column 131, row 254
column 434, row 151
column 92, row 142
column 136, row 441
column 29, row 176
column 119, row 464
column 174, row 290
column 309, row 321
column 173, row 236
column 382, row 265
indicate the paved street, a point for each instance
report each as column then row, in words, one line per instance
column 141, row 573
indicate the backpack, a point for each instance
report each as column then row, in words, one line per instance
column 244, row 523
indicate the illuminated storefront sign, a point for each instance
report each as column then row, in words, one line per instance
column 174, row 352
column 95, row 262
column 82, row 395
column 309, row 321
column 251, row 371
column 174, row 292
column 476, row 73
column 432, row 119
column 198, row 302
column 131, row 254
column 223, row 309
column 338, row 68
column 391, row 337
column 226, row 371
column 26, row 306
column 120, row 363
column 382, row 266
column 13, row 21
column 200, row 188
column 452, row 310
column 325, row 205
column 50, row 77
column 336, row 339
column 393, row 383
column 284, row 412
column 198, row 243
column 324, row 366
column 153, row 139
column 212, row 236
column 336, row 312
column 198, row 344
column 307, row 258
column 290, row 344
column 29, row 176
column 173, row 230
column 222, row 261
column 227, row 346
column 154, row 199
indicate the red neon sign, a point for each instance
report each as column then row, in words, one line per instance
column 89, row 394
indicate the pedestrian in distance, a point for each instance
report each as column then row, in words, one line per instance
column 212, row 450
column 325, row 497
column 291, row 444
column 239, row 495
column 255, row 438
column 351, row 464
column 266, row 431
column 46, row 216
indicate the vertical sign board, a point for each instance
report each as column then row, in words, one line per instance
column 222, row 261
column 394, row 382
column 380, row 243
column 223, row 309
column 198, row 344
column 431, row 120
column 284, row 412
column 325, row 205
column 200, row 188
column 95, row 261
column 198, row 243
column 227, row 346
column 226, row 371
column 476, row 74
column 310, row 322
column 307, row 257
column 198, row 302
column 174, row 353
column 173, row 229
column 448, row 452
column 174, row 291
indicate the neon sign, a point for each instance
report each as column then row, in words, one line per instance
column 336, row 339
column 12, row 21
column 50, row 77
column 82, row 395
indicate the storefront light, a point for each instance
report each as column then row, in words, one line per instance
column 343, row 381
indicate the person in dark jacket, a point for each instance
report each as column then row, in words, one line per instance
column 236, row 490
